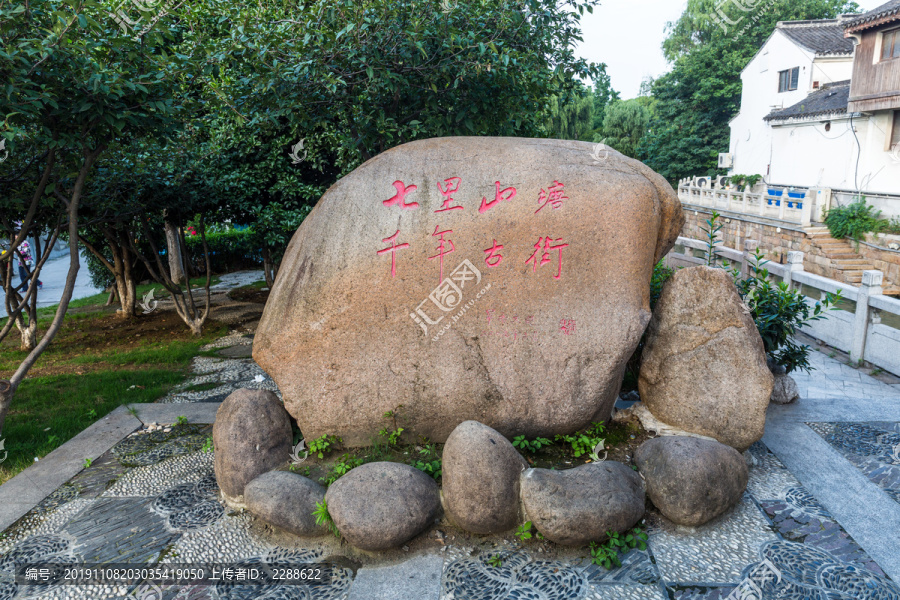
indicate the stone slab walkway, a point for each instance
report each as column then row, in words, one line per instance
column 820, row 518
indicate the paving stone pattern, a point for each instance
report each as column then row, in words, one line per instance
column 153, row 497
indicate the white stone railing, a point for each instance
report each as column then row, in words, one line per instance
column 710, row 192
column 860, row 333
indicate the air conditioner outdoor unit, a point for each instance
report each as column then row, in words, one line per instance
column 726, row 160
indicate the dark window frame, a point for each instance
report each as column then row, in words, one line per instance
column 890, row 42
column 788, row 80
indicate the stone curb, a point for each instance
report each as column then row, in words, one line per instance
column 27, row 489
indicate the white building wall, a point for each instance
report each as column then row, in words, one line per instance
column 804, row 154
column 827, row 70
column 879, row 169
column 751, row 137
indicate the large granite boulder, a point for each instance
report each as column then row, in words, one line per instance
column 382, row 505
column 251, row 436
column 286, row 500
column 480, row 477
column 704, row 366
column 578, row 506
column 468, row 278
column 691, row 480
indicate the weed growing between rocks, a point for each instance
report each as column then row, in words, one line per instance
column 606, row 555
column 323, row 518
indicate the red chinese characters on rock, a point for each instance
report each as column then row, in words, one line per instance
column 399, row 199
column 442, row 249
column 554, row 196
column 394, row 246
column 499, row 195
column 567, row 326
column 511, row 327
column 451, row 186
column 545, row 255
column 493, row 257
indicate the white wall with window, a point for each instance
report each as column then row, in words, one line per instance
column 780, row 75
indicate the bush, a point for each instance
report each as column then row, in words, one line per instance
column 855, row 220
column 231, row 249
column 779, row 312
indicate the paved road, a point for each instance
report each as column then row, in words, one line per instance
column 54, row 279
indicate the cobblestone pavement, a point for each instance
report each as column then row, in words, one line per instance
column 153, row 497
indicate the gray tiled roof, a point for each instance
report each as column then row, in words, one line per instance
column 831, row 99
column 885, row 10
column 822, row 37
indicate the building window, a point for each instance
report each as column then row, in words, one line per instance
column 895, row 130
column 890, row 44
column 787, row 80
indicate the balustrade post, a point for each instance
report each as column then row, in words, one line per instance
column 794, row 264
column 750, row 247
column 871, row 286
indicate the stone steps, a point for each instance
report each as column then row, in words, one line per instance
column 847, row 263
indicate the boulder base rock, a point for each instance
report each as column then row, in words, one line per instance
column 785, row 389
column 286, row 500
column 580, row 505
column 481, row 472
column 704, row 366
column 381, row 505
column 691, row 480
column 251, row 436
column 468, row 278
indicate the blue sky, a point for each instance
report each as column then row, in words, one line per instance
column 627, row 35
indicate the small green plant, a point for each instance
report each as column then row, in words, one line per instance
column 832, row 354
column 92, row 414
column 779, row 312
column 524, row 531
column 495, row 561
column 855, row 220
column 392, row 437
column 344, row 465
column 207, row 445
column 52, row 440
column 322, row 446
column 876, row 371
column 88, row 462
column 606, row 555
column 533, row 446
column 430, row 467
column 323, row 518
column 132, row 411
column 182, row 420
column 584, row 442
column 744, row 182
column 712, row 230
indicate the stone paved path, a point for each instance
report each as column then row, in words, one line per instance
column 820, row 518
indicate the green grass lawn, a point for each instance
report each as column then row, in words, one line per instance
column 96, row 363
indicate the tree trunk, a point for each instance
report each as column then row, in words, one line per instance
column 173, row 243
column 268, row 268
column 29, row 335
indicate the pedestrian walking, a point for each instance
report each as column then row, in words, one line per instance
column 25, row 259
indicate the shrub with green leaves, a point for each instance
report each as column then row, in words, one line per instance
column 345, row 464
column 322, row 446
column 606, row 555
column 583, row 443
column 530, row 446
column 779, row 312
column 855, row 220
